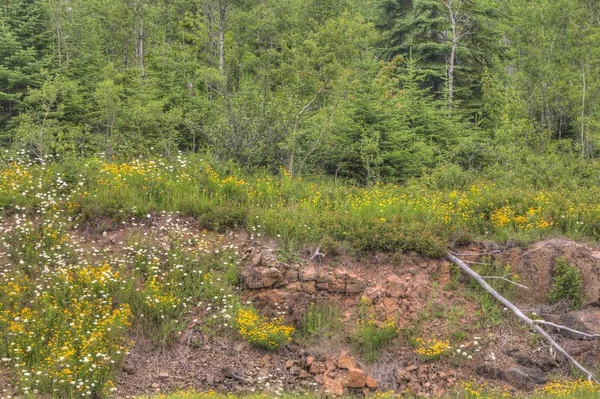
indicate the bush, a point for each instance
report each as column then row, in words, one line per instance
column 567, row 284
column 261, row 332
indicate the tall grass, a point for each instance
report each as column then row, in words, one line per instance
column 415, row 217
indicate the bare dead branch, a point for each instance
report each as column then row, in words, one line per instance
column 503, row 278
column 565, row 328
column 509, row 305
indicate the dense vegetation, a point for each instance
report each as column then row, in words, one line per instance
column 380, row 90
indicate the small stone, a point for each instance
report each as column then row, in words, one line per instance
column 309, row 287
column 309, row 360
column 256, row 259
column 303, row 374
column 294, row 287
column 290, row 363
column 356, row 378
column 155, row 385
column 266, row 360
column 330, row 365
column 127, row 369
column 371, row 382
column 163, row 374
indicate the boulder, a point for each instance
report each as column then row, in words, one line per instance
column 356, row 378
column 261, row 277
column 332, row 387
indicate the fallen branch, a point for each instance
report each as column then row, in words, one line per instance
column 559, row 327
column 520, row 315
column 495, row 251
column 505, row 279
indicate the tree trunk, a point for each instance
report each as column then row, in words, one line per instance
column 141, row 39
column 222, row 16
column 583, row 142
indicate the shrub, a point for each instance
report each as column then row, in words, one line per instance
column 321, row 320
column 567, row 284
column 370, row 337
column 261, row 332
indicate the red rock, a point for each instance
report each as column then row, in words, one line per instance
column 346, row 361
column 309, row 360
column 356, row 378
column 291, row 275
column 308, row 273
column 371, row 382
column 332, row 387
column 330, row 364
column 294, row 287
column 309, row 286
column 317, row 368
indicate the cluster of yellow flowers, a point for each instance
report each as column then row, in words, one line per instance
column 566, row 389
column 432, row 348
column 71, row 338
column 15, row 179
column 473, row 390
column 261, row 332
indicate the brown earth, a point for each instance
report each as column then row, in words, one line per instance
column 422, row 295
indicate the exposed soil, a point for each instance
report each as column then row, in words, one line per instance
column 421, row 294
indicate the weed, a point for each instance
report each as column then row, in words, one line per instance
column 567, row 284
column 370, row 336
column 321, row 320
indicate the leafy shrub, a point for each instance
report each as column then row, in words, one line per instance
column 370, row 337
column 567, row 284
column 321, row 320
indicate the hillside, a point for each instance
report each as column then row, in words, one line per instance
column 157, row 276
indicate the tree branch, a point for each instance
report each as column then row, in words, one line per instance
column 520, row 315
column 505, row 279
column 559, row 327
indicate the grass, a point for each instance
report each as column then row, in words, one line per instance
column 415, row 217
column 464, row 390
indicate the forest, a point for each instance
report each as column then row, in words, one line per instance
column 368, row 91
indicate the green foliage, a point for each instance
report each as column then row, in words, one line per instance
column 321, row 320
column 371, row 336
column 566, row 284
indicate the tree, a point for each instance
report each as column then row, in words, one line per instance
column 452, row 40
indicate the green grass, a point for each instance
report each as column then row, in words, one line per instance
column 418, row 216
